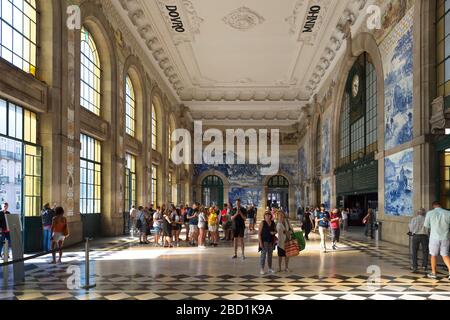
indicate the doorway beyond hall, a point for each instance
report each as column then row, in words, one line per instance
column 278, row 193
column 358, row 205
column 212, row 191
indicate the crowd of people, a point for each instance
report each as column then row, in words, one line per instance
column 201, row 224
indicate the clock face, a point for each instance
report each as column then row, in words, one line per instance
column 355, row 85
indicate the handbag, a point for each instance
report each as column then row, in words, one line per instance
column 291, row 248
column 300, row 240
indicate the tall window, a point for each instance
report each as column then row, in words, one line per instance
column 90, row 74
column 319, row 146
column 20, row 160
column 130, row 182
column 443, row 47
column 154, row 185
column 358, row 122
column 90, row 175
column 18, row 33
column 130, row 101
column 169, row 141
column 170, row 193
column 154, row 128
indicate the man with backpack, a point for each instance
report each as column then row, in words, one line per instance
column 47, row 215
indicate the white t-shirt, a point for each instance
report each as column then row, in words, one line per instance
column 133, row 213
column 344, row 215
column 157, row 219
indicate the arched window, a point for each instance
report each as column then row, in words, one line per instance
column 18, row 19
column 130, row 101
column 212, row 191
column 90, row 73
column 154, row 128
column 278, row 182
column 358, row 122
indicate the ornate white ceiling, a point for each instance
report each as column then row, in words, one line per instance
column 215, row 53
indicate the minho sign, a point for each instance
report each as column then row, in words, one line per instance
column 175, row 18
column 311, row 19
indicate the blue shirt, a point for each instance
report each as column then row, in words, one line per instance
column 321, row 215
column 438, row 222
column 193, row 221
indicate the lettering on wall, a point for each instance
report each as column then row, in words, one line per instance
column 177, row 23
column 311, row 19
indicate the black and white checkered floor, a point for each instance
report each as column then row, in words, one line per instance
column 124, row 270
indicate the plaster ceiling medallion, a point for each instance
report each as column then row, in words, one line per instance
column 243, row 19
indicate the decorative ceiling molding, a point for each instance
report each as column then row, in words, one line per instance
column 341, row 33
column 130, row 45
column 243, row 19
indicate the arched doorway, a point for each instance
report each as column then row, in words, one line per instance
column 278, row 192
column 212, row 191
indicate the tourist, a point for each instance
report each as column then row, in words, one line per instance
column 266, row 236
column 167, row 229
column 419, row 238
column 308, row 223
column 177, row 223
column 60, row 231
column 284, row 231
column 47, row 220
column 316, row 216
column 251, row 218
column 438, row 222
column 202, row 228
column 322, row 221
column 157, row 225
column 369, row 221
column 227, row 225
column 192, row 216
column 133, row 216
column 142, row 225
column 300, row 215
column 238, row 225
column 335, row 220
column 184, row 213
column 345, row 216
column 213, row 227
column 5, row 235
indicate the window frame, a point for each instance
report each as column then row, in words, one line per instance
column 130, row 103
column 97, row 91
column 33, row 40
column 91, row 142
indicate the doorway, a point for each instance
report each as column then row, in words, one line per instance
column 212, row 191
column 278, row 193
column 358, row 205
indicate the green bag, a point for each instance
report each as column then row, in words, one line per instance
column 300, row 239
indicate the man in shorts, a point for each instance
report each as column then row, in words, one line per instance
column 238, row 226
column 438, row 222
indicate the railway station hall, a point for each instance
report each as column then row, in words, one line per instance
column 232, row 150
